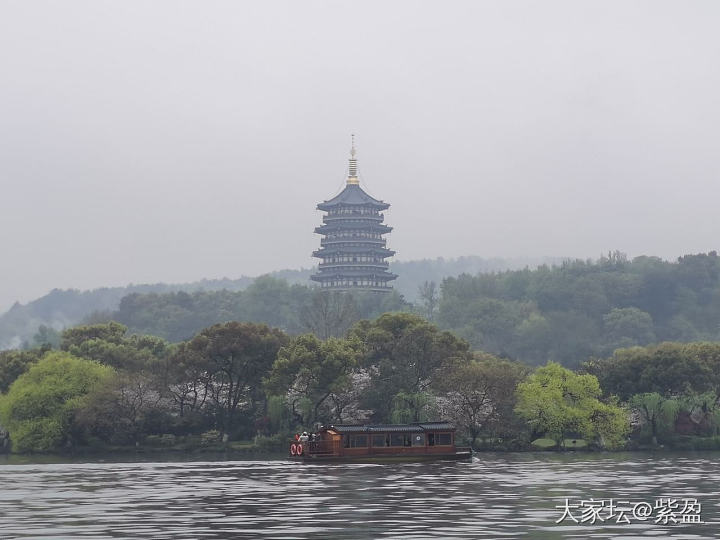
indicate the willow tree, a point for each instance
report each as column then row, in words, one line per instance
column 558, row 402
column 657, row 413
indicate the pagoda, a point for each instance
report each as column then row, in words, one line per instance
column 352, row 248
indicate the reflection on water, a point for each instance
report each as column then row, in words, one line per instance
column 495, row 496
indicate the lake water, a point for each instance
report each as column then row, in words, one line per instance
column 495, row 496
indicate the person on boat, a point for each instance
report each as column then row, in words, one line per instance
column 297, row 437
column 304, row 437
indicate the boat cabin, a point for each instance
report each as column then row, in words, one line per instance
column 345, row 441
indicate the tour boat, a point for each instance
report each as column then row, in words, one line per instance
column 388, row 442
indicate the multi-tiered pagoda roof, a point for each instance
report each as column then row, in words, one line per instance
column 352, row 248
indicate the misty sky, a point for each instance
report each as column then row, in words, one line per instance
column 171, row 141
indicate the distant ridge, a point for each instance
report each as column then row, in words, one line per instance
column 62, row 308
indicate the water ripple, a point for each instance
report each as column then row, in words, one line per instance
column 496, row 496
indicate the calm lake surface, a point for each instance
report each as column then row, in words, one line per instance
column 495, row 496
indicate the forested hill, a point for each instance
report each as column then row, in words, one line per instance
column 567, row 313
column 63, row 308
column 582, row 309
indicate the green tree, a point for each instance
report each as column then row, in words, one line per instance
column 669, row 369
column 558, row 402
column 184, row 376
column 610, row 424
column 480, row 395
column 416, row 407
column 315, row 372
column 625, row 327
column 111, row 332
column 14, row 363
column 238, row 356
column 428, row 294
column 533, row 339
column 403, row 352
column 110, row 344
column 329, row 313
column 657, row 413
column 121, row 409
column 47, row 337
column 274, row 302
column 702, row 411
column 39, row 409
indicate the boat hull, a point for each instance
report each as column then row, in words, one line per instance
column 386, row 458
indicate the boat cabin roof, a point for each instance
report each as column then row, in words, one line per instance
column 420, row 427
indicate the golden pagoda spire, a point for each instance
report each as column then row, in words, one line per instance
column 352, row 174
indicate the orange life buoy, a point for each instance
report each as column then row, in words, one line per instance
column 293, row 449
column 299, row 449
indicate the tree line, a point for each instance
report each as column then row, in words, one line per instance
column 65, row 308
column 103, row 386
column 565, row 313
column 580, row 309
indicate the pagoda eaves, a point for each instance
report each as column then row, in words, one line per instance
column 353, row 249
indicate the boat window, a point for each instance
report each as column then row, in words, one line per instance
column 346, row 441
column 443, row 439
column 397, row 439
column 379, row 441
column 418, row 439
column 431, row 439
column 358, row 441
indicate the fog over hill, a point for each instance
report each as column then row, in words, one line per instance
column 62, row 308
